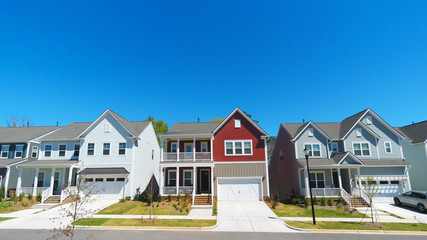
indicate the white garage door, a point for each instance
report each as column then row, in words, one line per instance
column 109, row 190
column 384, row 191
column 239, row 189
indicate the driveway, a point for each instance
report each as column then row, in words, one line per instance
column 248, row 216
column 49, row 219
column 403, row 211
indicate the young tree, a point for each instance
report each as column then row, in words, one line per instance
column 160, row 126
column 370, row 187
column 217, row 119
column 15, row 121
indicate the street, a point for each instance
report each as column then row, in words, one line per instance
column 159, row 235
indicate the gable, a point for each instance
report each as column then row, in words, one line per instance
column 237, row 114
column 246, row 127
column 103, row 116
column 99, row 129
column 349, row 160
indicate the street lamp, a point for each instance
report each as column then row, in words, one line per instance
column 307, row 153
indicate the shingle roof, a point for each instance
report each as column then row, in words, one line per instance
column 416, row 132
column 69, row 132
column 349, row 122
column 103, row 171
column 42, row 163
column 23, row 134
column 193, row 128
column 6, row 162
column 381, row 162
column 319, row 162
column 135, row 127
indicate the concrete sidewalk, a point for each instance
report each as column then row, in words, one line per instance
column 318, row 219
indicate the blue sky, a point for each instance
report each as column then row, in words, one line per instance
column 281, row 61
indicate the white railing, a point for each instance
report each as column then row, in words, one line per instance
column 170, row 157
column 25, row 190
column 67, row 192
column 203, row 156
column 364, row 195
column 169, row 190
column 46, row 194
column 346, row 197
column 187, row 156
column 326, row 192
column 186, row 189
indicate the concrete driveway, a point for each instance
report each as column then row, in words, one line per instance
column 248, row 216
column 49, row 219
column 403, row 211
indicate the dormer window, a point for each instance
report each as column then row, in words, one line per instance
column 310, row 132
column 358, row 132
column 107, row 127
column 368, row 120
column 237, row 123
column 18, row 151
column 4, row 151
column 333, row 147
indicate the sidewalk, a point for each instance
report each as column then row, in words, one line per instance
column 384, row 219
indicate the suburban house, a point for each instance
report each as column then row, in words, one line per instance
column 114, row 154
column 346, row 159
column 415, row 150
column 18, row 145
column 225, row 160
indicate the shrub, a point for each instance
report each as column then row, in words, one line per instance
column 315, row 201
column 169, row 198
column 158, row 198
column 39, row 197
column 186, row 197
column 339, row 206
column 180, row 210
column 340, row 200
column 178, row 203
column 184, row 204
column 267, row 199
column 306, row 202
column 25, row 202
column 30, row 196
column 178, row 198
column 276, row 196
column 214, row 209
column 2, row 191
column 323, row 201
column 21, row 196
column 127, row 198
column 274, row 205
column 294, row 201
column 157, row 205
column 187, row 210
column 174, row 205
column 137, row 195
column 330, row 202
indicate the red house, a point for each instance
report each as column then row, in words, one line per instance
column 226, row 160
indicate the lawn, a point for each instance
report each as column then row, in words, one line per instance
column 360, row 226
column 138, row 222
column 4, row 219
column 285, row 210
column 140, row 208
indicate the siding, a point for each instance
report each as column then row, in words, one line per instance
column 366, row 137
column 416, row 155
column 382, row 171
column 316, row 138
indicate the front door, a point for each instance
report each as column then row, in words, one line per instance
column 56, row 184
column 204, row 181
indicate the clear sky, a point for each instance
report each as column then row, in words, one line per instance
column 281, row 61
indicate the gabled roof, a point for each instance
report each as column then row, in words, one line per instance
column 245, row 116
column 23, row 134
column 315, row 126
column 416, row 132
column 69, row 132
column 193, row 128
column 340, row 157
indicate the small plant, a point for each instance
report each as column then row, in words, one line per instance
column 276, row 197
column 340, row 201
column 178, row 198
column 178, row 203
column 21, row 196
column 187, row 210
column 157, row 205
column 25, row 202
column 39, row 197
column 122, row 200
column 330, row 202
column 339, row 206
column 137, row 194
column 30, row 196
column 158, row 198
column 323, row 201
column 186, row 197
column 315, row 201
column 184, row 204
column 169, row 198
column 2, row 191
column 174, row 205
column 214, row 209
column 180, row 210
column 306, row 202
column 127, row 198
column 267, row 199
column 274, row 204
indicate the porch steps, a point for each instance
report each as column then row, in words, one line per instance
column 53, row 199
column 203, row 200
column 357, row 202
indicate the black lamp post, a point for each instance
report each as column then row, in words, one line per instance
column 307, row 153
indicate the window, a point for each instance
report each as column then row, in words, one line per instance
column 18, row 151
column 47, row 150
column 120, row 179
column 4, row 151
column 383, row 182
column 172, row 178
column 310, row 132
column 387, row 146
column 394, row 182
column 107, row 127
column 76, row 150
column 361, row 149
column 204, row 147
column 110, row 179
column 317, row 180
column 62, row 148
column 358, row 132
column 90, row 149
column 333, row 147
column 122, row 148
column 173, row 147
column 237, row 123
column 372, row 182
column 99, row 179
column 368, row 120
column 88, row 179
column 40, row 179
column 188, row 178
column 238, row 147
column 34, row 152
column 106, row 149
column 314, row 149
column 281, row 155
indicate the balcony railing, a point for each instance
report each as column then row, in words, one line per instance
column 326, row 192
column 187, row 156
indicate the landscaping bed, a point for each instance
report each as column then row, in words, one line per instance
column 17, row 204
column 360, row 226
column 142, row 208
column 145, row 222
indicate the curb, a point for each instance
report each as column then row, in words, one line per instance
column 295, row 228
column 148, row 228
column 368, row 232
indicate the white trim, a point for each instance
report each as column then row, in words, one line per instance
column 74, row 150
column 315, row 126
column 186, row 144
column 118, row 149
column 22, row 151
column 358, row 132
column 385, row 147
column 169, row 177
column 234, row 147
column 245, row 116
column 401, row 149
column 310, row 132
column 44, row 151
column 361, row 149
column 237, row 123
column 267, row 175
column 103, row 148
column 242, row 162
column 186, row 164
column 176, row 147
column 218, row 179
column 200, row 180
column 59, row 150
column 2, row 151
column 201, row 146
column 314, row 143
column 183, row 177
column 87, row 149
column 352, row 156
column 315, row 178
column 296, row 150
column 368, row 120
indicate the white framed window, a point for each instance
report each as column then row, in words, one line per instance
column 281, row 154
column 204, row 146
column 387, row 146
column 34, row 151
column 76, row 150
column 310, row 132
column 333, row 147
column 62, row 148
column 48, row 150
column 317, row 179
column 40, row 179
column 238, row 147
column 90, row 149
column 368, row 120
column 4, row 151
column 314, row 149
column 237, row 123
column 361, row 149
column 18, row 151
column 358, row 132
column 172, row 178
column 188, row 178
column 122, row 148
column 173, row 147
column 106, row 149
column 107, row 127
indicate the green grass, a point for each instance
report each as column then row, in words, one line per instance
column 4, row 219
column 359, row 226
column 140, row 208
column 284, row 210
column 138, row 222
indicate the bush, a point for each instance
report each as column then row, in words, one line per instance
column 339, row 206
column 180, row 210
column 25, row 202
column 39, row 197
column 122, row 200
column 127, row 198
column 315, row 201
column 267, row 199
column 306, row 202
column 169, row 198
column 178, row 203
column 21, row 196
column 274, row 204
column 187, row 210
column 214, row 209
column 184, row 204
column 137, row 195
column 178, row 198
column 323, row 201
column 294, row 201
column 30, row 196
column 186, row 197
column 276, row 197
column 330, row 202
column 340, row 200
column 158, row 198
column 2, row 192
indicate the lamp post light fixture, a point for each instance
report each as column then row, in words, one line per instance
column 307, row 153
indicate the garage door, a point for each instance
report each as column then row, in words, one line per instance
column 384, row 191
column 239, row 189
column 108, row 190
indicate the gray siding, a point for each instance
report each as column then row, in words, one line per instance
column 416, row 155
column 382, row 171
column 366, row 137
column 241, row 170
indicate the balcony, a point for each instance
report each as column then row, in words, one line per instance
column 186, row 157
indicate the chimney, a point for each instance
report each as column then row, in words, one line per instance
column 303, row 120
column 198, row 120
column 57, row 123
column 28, row 124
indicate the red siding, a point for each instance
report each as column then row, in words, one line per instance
column 246, row 132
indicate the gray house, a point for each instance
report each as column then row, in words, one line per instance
column 415, row 150
column 345, row 159
column 18, row 145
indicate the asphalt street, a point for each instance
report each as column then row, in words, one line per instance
column 160, row 235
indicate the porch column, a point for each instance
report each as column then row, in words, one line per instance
column 177, row 149
column 52, row 179
column 6, row 183
column 212, row 185
column 18, row 183
column 161, row 149
column 339, row 177
column 194, row 182
column 177, row 180
column 211, row 149
column 70, row 174
column 360, row 182
column 349, row 180
column 194, row 149
column 307, row 188
column 36, row 181
column 408, row 180
column 161, row 184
